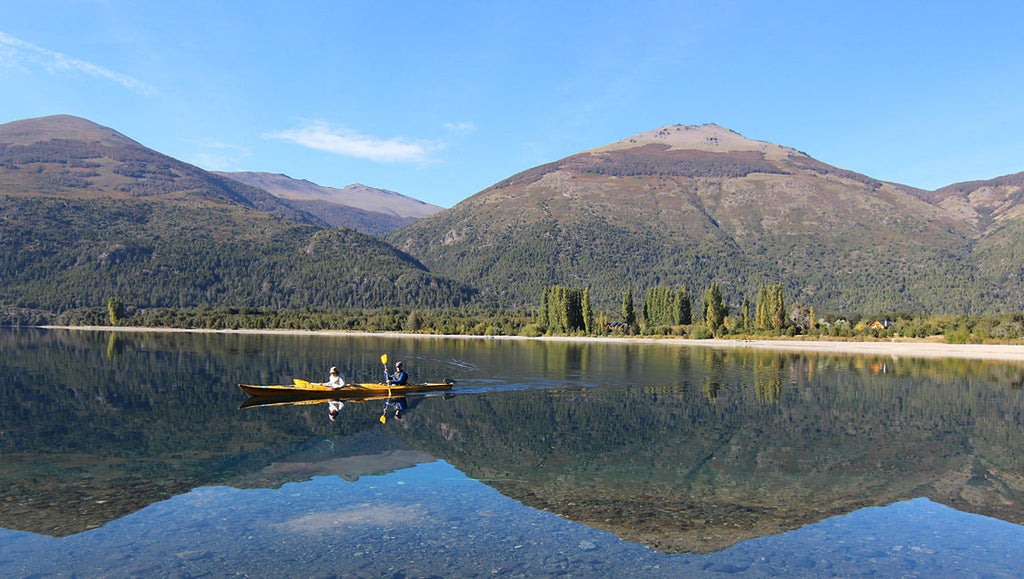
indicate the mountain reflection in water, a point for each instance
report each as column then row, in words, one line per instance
column 680, row 449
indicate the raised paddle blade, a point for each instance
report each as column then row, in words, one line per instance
column 383, row 418
column 384, row 359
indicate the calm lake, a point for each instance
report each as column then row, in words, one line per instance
column 126, row 454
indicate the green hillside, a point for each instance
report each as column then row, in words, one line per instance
column 61, row 254
column 688, row 206
column 996, row 206
column 95, row 216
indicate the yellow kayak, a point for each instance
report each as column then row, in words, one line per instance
column 304, row 389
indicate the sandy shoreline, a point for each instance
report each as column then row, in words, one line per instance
column 894, row 348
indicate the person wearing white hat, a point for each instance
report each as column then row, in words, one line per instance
column 335, row 380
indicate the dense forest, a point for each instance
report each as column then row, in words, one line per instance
column 220, row 266
column 63, row 254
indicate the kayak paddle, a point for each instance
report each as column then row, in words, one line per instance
column 387, row 379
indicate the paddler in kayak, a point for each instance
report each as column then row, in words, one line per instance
column 399, row 378
column 335, row 380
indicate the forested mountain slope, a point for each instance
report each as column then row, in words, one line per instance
column 996, row 208
column 687, row 206
column 87, row 214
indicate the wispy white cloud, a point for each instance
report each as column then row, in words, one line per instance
column 17, row 52
column 347, row 143
column 461, row 128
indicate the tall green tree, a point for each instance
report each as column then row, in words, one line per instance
column 665, row 307
column 761, row 309
column 683, row 306
column 412, row 323
column 588, row 313
column 715, row 309
column 657, row 310
column 542, row 314
column 115, row 308
column 562, row 310
column 629, row 310
column 778, row 316
column 770, row 312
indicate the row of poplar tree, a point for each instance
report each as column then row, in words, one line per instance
column 567, row 310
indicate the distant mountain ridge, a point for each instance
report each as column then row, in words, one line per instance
column 86, row 213
column 367, row 209
column 687, row 206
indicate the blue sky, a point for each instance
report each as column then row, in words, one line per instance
column 440, row 99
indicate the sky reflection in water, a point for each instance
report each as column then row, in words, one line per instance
column 432, row 520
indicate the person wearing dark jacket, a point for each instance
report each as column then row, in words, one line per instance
column 400, row 377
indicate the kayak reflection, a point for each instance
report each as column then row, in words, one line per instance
column 395, row 406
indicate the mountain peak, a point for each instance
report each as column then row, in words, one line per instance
column 65, row 127
column 709, row 137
